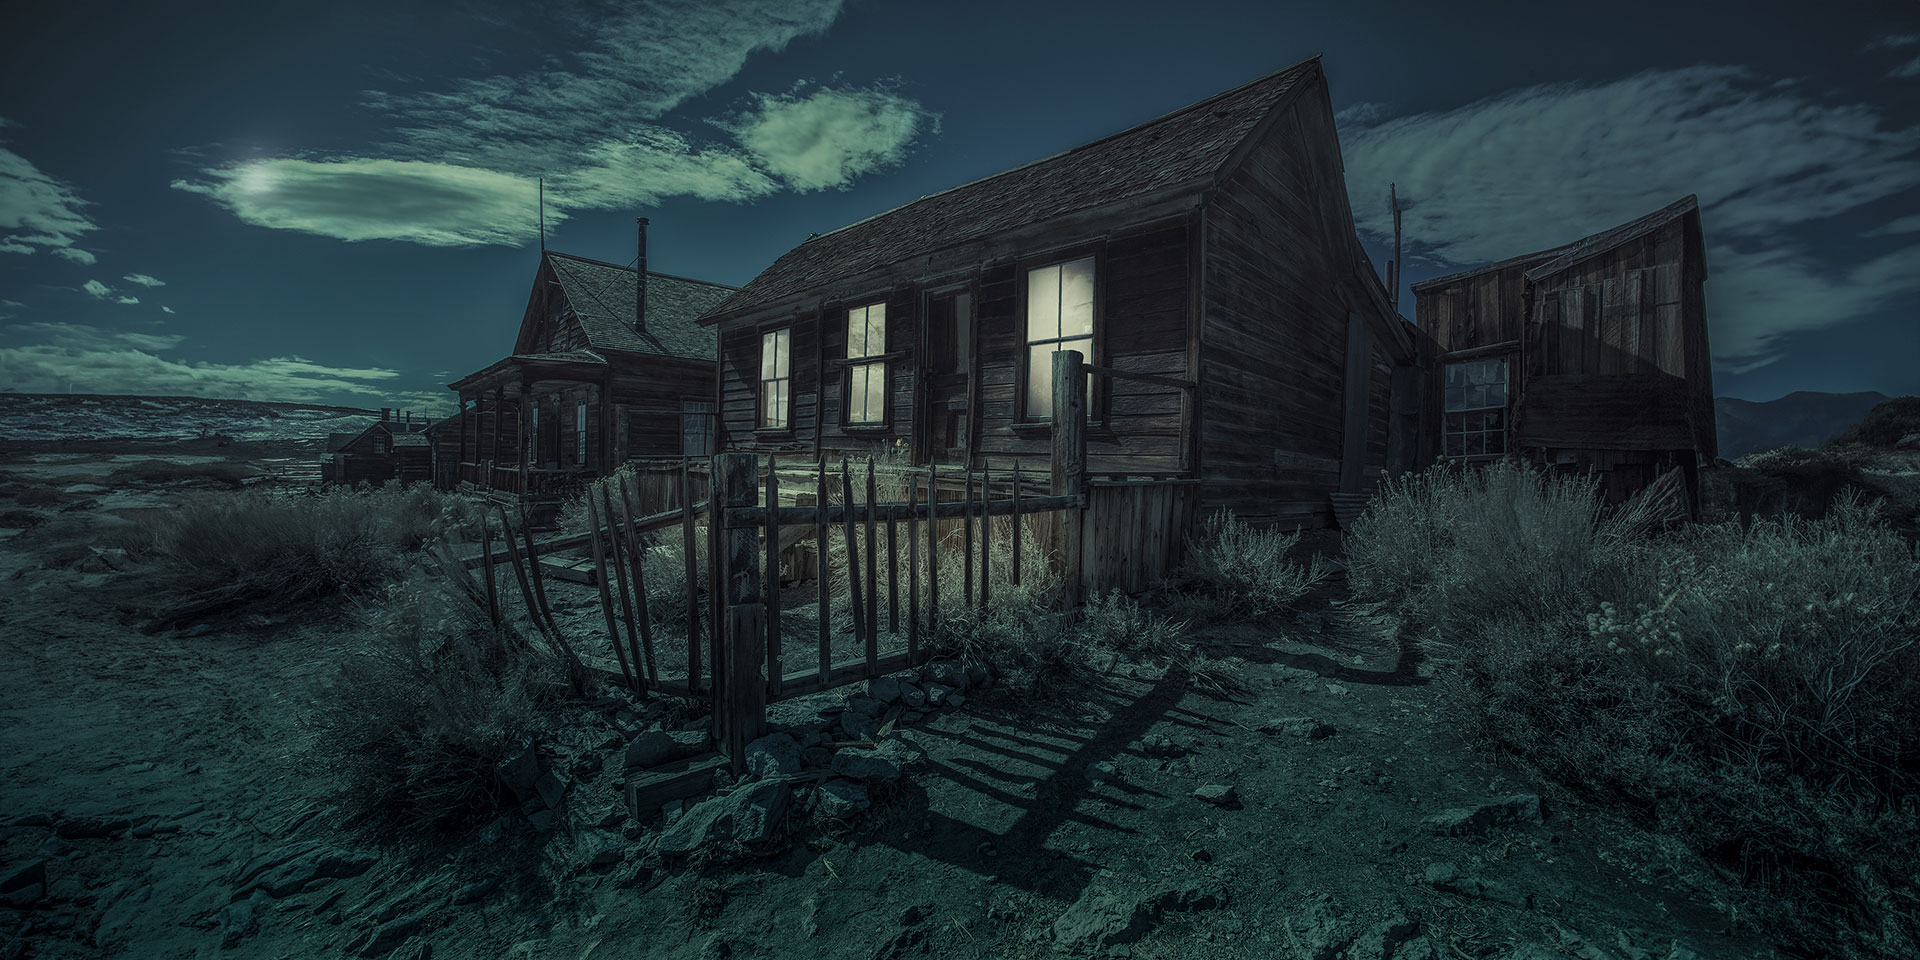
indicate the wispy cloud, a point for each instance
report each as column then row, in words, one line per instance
column 435, row 204
column 76, row 255
column 51, row 357
column 144, row 280
column 39, row 212
column 830, row 137
column 165, row 309
column 1538, row 167
column 96, row 288
column 1898, row 41
column 459, row 161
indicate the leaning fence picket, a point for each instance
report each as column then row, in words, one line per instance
column 693, row 582
column 823, row 578
column 873, row 578
column 855, row 597
column 986, row 530
column 775, row 673
column 636, row 559
column 606, row 598
column 913, row 569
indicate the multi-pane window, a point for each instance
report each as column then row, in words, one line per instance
column 696, row 428
column 866, row 381
column 1059, row 317
column 580, row 433
column 775, row 378
column 1475, row 421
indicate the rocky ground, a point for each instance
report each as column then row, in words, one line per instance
column 161, row 800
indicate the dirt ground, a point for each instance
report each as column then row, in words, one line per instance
column 164, row 785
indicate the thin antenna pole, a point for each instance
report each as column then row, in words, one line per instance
column 543, row 214
column 1393, row 200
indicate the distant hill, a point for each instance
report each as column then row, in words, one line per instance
column 1803, row 419
column 56, row 418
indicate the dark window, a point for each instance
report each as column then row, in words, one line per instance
column 1475, row 421
column 696, row 428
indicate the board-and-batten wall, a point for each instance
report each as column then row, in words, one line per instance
column 1275, row 332
column 1143, row 292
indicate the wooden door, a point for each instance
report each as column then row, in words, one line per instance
column 947, row 421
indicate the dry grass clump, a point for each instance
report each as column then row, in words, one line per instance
column 1243, row 571
column 223, row 552
column 1752, row 690
column 420, row 718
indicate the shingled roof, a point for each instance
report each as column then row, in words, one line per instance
column 1187, row 146
column 602, row 296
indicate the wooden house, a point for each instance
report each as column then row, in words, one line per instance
column 1588, row 356
column 393, row 448
column 608, row 365
column 1243, row 351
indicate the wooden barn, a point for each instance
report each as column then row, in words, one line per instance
column 1588, row 356
column 608, row 365
column 394, row 448
column 1241, row 351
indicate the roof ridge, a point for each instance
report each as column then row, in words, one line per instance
column 1169, row 115
column 595, row 294
column 650, row 273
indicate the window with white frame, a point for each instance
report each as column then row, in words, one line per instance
column 1059, row 317
column 775, row 378
column 866, row 381
column 580, row 433
column 1475, row 420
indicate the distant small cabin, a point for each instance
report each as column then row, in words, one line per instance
column 1588, row 357
column 1243, row 351
column 393, row 448
column 608, row 365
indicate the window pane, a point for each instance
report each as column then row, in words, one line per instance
column 784, row 339
column 1076, row 298
column 876, row 330
column 1043, row 303
column 1456, row 447
column 1040, row 382
column 866, row 394
column 857, row 332
column 1456, row 395
column 769, row 354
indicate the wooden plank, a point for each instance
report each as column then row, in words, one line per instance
column 822, row 578
column 893, row 569
column 637, row 552
column 1069, row 463
column 606, row 598
column 533, row 569
column 1018, row 522
column 692, row 581
column 855, row 598
column 986, row 534
column 648, row 791
column 576, row 541
column 620, row 573
column 933, row 549
column 772, row 587
column 1178, row 383
column 966, row 540
column 913, row 573
column 840, row 674
column 873, row 577
column 493, row 590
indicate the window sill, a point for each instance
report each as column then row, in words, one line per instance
column 867, row 427
column 773, row 433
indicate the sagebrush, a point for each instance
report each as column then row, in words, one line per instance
column 1248, row 571
column 1753, row 690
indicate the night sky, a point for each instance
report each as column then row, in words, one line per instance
column 336, row 202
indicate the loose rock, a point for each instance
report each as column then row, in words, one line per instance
column 658, row 747
column 1467, row 821
column 1161, row 747
column 1102, row 921
column 25, row 886
column 774, row 755
column 1218, row 794
column 841, row 798
column 307, row 871
column 240, row 920
column 885, row 689
column 747, row 816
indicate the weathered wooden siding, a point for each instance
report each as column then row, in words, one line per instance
column 1273, row 345
column 648, row 396
column 1476, row 311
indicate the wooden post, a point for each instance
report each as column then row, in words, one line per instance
column 986, row 530
column 774, row 670
column 606, row 597
column 716, row 577
column 693, row 582
column 1018, row 520
column 893, row 569
column 636, row 553
column 853, row 553
column 873, row 574
column 486, row 564
column 822, row 579
column 913, row 569
column 620, row 574
column 1070, row 464
column 966, row 538
column 744, row 687
column 933, row 550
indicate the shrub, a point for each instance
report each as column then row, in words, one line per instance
column 420, row 717
column 1752, row 690
column 220, row 552
column 1247, row 570
column 1884, row 425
